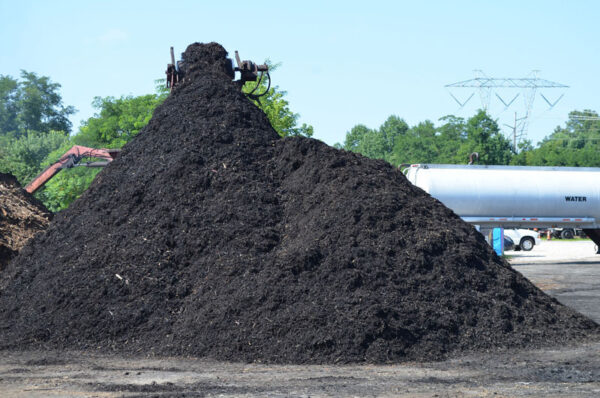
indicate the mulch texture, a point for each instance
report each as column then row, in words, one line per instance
column 21, row 217
column 211, row 236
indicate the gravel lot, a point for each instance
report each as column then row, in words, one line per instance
column 556, row 250
column 564, row 372
column 567, row 270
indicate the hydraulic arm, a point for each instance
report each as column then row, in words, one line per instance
column 73, row 158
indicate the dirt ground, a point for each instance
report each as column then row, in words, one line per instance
column 556, row 372
column 564, row 372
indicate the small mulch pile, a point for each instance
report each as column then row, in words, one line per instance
column 21, row 217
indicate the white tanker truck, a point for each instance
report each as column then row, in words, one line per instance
column 516, row 196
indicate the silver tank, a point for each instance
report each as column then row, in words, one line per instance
column 514, row 196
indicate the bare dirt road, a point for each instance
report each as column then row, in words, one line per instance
column 567, row 270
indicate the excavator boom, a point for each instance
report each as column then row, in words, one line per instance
column 72, row 158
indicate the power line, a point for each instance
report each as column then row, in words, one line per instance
column 493, row 82
column 583, row 117
column 572, row 139
column 512, row 88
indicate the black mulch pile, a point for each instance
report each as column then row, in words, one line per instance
column 211, row 236
column 21, row 217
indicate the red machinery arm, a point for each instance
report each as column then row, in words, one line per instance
column 71, row 158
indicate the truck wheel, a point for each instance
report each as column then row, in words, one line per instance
column 567, row 234
column 527, row 244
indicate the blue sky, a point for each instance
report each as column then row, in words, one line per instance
column 342, row 63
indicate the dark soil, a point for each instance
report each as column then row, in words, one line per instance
column 211, row 236
column 21, row 217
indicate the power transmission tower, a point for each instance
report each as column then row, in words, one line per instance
column 526, row 87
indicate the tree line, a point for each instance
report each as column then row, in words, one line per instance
column 35, row 130
column 577, row 143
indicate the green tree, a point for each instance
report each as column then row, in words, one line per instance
column 452, row 142
column 524, row 151
column 33, row 123
column 277, row 108
column 355, row 137
column 23, row 157
column 450, row 136
column 391, row 131
column 484, row 137
column 373, row 145
column 8, row 105
column 420, row 146
column 379, row 143
column 577, row 144
column 67, row 186
column 39, row 105
column 33, row 104
column 117, row 120
column 365, row 141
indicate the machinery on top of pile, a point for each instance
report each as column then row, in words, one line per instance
column 249, row 72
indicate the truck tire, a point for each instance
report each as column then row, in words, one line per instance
column 527, row 244
column 567, row 234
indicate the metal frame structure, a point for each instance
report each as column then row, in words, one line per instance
column 73, row 158
column 526, row 87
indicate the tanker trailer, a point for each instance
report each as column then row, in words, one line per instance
column 516, row 196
